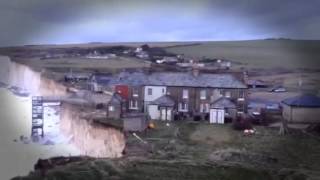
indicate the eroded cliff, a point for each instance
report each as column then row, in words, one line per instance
column 24, row 77
column 92, row 139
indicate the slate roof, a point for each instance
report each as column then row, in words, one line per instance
column 182, row 79
column 223, row 102
column 258, row 82
column 116, row 99
column 102, row 78
column 202, row 80
column 164, row 100
column 303, row 101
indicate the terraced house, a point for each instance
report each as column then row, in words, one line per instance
column 182, row 95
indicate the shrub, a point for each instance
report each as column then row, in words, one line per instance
column 242, row 123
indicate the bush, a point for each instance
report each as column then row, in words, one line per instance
column 100, row 106
column 242, row 123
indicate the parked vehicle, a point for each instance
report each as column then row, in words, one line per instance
column 278, row 89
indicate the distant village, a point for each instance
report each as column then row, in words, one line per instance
column 177, row 87
column 198, row 89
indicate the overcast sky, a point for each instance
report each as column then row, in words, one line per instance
column 78, row 21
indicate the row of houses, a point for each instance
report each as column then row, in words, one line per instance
column 175, row 95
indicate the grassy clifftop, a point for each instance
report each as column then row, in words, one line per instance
column 189, row 150
column 258, row 53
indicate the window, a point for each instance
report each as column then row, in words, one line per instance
column 204, row 108
column 241, row 96
column 201, row 107
column 183, row 107
column 239, row 112
column 135, row 92
column 111, row 108
column 149, row 91
column 216, row 92
column 133, row 104
column 203, row 94
column 226, row 112
column 185, row 94
column 227, row 94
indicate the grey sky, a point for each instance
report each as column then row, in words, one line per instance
column 76, row 21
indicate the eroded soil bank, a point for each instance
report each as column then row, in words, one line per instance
column 91, row 138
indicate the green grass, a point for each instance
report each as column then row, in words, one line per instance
column 156, row 170
column 184, row 150
column 171, row 171
column 289, row 54
column 259, row 54
column 65, row 64
column 197, row 141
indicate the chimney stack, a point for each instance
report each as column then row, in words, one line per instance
column 195, row 71
column 245, row 76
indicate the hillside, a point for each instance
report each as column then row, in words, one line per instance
column 197, row 150
column 282, row 53
column 258, row 53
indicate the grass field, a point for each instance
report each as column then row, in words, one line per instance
column 261, row 54
column 65, row 64
column 258, row 53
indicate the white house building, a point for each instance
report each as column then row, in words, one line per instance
column 151, row 93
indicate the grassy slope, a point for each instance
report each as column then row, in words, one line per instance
column 85, row 63
column 259, row 53
column 180, row 151
column 139, row 170
column 252, row 54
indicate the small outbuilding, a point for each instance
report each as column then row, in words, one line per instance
column 222, row 109
column 161, row 108
column 115, row 107
column 301, row 109
column 135, row 122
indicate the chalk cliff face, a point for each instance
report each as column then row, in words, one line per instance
column 91, row 139
column 22, row 76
